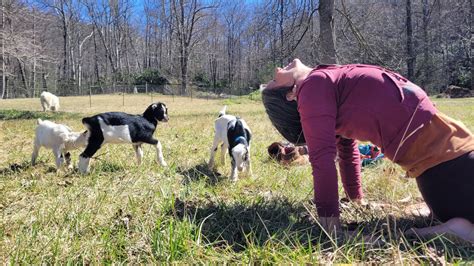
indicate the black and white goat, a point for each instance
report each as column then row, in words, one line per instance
column 58, row 137
column 118, row 127
column 235, row 135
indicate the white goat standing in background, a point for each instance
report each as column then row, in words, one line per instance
column 60, row 138
column 49, row 101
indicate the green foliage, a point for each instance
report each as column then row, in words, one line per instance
column 150, row 76
column 463, row 77
column 201, row 80
column 123, row 78
column 19, row 114
column 255, row 95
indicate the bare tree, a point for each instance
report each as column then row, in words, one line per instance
column 411, row 59
column 326, row 36
column 4, row 74
column 79, row 75
column 187, row 14
column 472, row 43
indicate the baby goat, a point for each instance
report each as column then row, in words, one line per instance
column 118, row 127
column 60, row 138
column 49, row 101
column 235, row 135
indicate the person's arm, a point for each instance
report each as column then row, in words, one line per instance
column 349, row 168
column 317, row 106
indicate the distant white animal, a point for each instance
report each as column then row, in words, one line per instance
column 235, row 135
column 60, row 138
column 49, row 101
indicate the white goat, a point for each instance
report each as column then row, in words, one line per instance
column 60, row 138
column 49, row 101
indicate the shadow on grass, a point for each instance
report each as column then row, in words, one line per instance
column 15, row 168
column 20, row 114
column 240, row 225
column 199, row 172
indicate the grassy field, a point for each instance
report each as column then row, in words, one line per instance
column 184, row 213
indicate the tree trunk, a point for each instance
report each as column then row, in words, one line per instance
column 426, row 45
column 24, row 79
column 472, row 44
column 326, row 35
column 313, row 38
column 184, row 71
column 96, row 59
column 79, row 67
column 4, row 85
column 34, row 56
column 410, row 53
column 65, row 41
column 280, row 24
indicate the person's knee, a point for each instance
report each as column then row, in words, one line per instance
column 460, row 226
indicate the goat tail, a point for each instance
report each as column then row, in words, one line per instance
column 222, row 111
column 87, row 121
column 39, row 121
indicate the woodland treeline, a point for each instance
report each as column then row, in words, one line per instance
column 66, row 46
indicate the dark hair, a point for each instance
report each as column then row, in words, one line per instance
column 274, row 150
column 283, row 114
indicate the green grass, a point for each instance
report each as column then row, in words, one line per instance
column 185, row 213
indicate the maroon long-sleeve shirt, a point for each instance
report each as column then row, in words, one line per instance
column 356, row 102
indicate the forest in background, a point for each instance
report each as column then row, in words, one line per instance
column 67, row 46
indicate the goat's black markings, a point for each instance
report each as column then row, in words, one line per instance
column 237, row 134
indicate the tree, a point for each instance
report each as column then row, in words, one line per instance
column 410, row 52
column 4, row 74
column 326, row 35
column 187, row 14
column 472, row 44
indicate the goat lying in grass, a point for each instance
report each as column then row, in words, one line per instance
column 235, row 135
column 60, row 138
column 49, row 101
column 118, row 127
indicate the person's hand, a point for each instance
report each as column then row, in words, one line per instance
column 361, row 202
column 348, row 203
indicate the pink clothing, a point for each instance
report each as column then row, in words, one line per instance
column 362, row 102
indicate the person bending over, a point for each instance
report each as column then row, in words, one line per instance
column 325, row 107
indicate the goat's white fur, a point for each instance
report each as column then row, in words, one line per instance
column 49, row 101
column 58, row 137
column 220, row 136
column 115, row 134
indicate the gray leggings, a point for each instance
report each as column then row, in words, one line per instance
column 448, row 188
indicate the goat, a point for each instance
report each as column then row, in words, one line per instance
column 58, row 137
column 235, row 135
column 49, row 101
column 118, row 127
